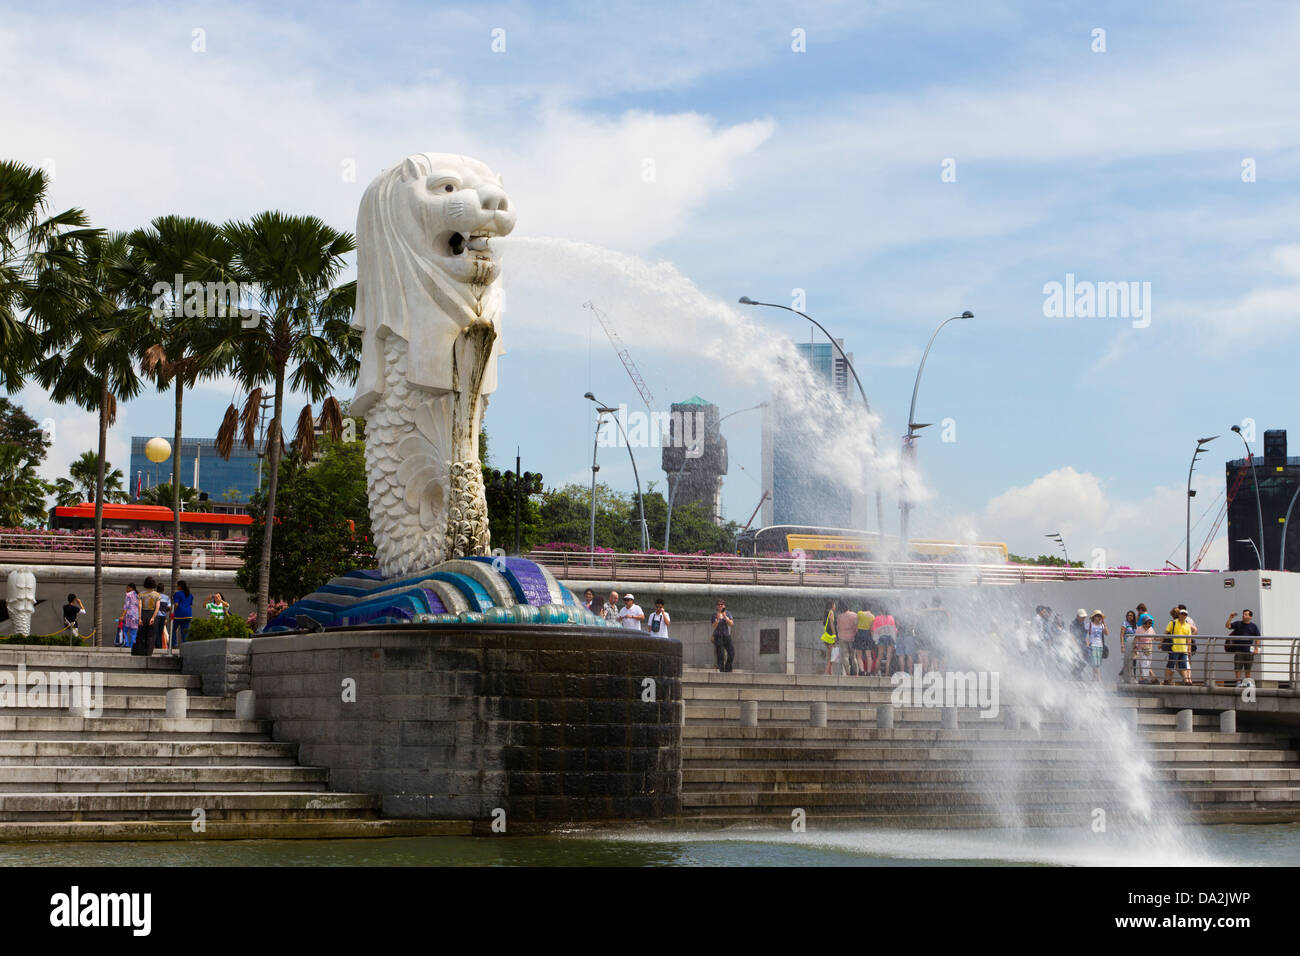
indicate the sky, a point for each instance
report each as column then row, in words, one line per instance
column 888, row 164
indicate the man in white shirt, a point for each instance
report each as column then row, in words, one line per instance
column 630, row 614
column 659, row 619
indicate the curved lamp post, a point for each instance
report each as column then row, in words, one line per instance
column 1258, row 506
column 1286, row 522
column 601, row 409
column 1200, row 446
column 672, row 492
column 1251, row 541
column 746, row 300
column 1056, row 536
column 909, row 443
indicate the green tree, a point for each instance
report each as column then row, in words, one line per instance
column 19, row 428
column 1043, row 560
column 22, row 449
column 500, row 489
column 174, row 345
column 303, row 341
column 87, row 359
column 86, row 477
column 322, row 522
column 40, row 282
column 162, row 494
column 22, row 491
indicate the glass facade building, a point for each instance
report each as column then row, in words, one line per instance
column 800, row 496
column 1279, row 477
column 224, row 481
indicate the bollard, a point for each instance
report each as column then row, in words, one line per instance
column 817, row 713
column 1228, row 722
column 885, row 717
column 948, row 718
column 749, row 713
column 76, row 701
column 176, row 703
column 1183, row 722
column 244, row 701
column 1011, row 718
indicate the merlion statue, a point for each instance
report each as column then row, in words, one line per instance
column 20, row 597
column 428, row 307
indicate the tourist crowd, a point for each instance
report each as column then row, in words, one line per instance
column 1085, row 639
column 871, row 641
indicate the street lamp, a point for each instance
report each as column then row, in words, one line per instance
column 1200, row 446
column 1259, row 507
column 909, row 443
column 672, row 492
column 595, row 443
column 602, row 409
column 1286, row 522
column 1251, row 541
column 880, row 509
column 1056, row 536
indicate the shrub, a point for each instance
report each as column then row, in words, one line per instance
column 54, row 640
column 212, row 628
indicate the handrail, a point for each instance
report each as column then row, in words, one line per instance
column 813, row 572
column 1214, row 666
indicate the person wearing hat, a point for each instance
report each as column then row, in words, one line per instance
column 1079, row 631
column 630, row 614
column 1180, row 645
column 1097, row 632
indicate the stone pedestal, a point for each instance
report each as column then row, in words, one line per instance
column 885, row 717
column 1183, row 722
column 176, row 703
column 749, row 713
column 817, row 713
column 1228, row 722
column 523, row 723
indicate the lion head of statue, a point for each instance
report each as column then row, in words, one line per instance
column 425, row 264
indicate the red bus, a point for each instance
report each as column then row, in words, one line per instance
column 128, row 518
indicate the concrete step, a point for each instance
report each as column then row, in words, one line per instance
column 130, row 728
column 869, row 756
column 84, row 658
column 796, row 779
column 972, row 734
column 120, row 778
column 235, row 805
column 134, row 705
column 902, row 800
column 147, row 752
column 785, row 714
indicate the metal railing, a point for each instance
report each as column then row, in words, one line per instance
column 808, row 572
column 22, row 548
column 1274, row 662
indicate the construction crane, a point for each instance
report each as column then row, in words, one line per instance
column 1227, row 501
column 623, row 356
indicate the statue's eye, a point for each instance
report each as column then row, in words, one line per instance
column 449, row 188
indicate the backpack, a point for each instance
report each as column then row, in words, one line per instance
column 1167, row 645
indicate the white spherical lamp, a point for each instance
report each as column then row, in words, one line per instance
column 158, row 450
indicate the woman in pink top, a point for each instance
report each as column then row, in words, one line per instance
column 885, row 632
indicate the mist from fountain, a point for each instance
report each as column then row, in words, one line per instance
column 990, row 631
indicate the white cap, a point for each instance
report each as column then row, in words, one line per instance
column 627, row 597
column 1082, row 613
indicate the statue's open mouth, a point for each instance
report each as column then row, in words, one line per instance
column 458, row 243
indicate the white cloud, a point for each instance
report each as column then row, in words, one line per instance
column 1098, row 527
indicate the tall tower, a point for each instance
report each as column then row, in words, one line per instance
column 695, row 456
column 800, row 495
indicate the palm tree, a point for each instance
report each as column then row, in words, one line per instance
column 39, row 282
column 85, row 476
column 303, row 340
column 165, row 258
column 88, row 359
column 162, row 494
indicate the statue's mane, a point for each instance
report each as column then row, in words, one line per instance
column 402, row 289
